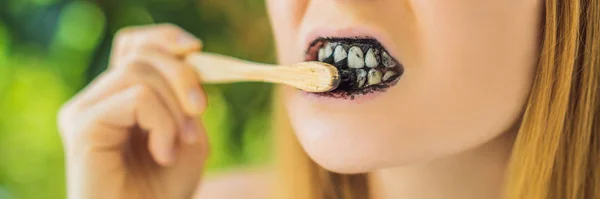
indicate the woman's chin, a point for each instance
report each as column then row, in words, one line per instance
column 347, row 148
column 338, row 155
column 346, row 136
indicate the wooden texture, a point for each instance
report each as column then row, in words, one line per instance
column 307, row 76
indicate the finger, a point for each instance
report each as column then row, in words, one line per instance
column 180, row 78
column 191, row 133
column 151, row 77
column 162, row 138
column 143, row 68
column 202, row 144
column 139, row 105
column 190, row 159
column 140, row 67
column 106, row 84
column 166, row 37
column 85, row 112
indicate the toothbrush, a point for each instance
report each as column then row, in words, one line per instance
column 308, row 76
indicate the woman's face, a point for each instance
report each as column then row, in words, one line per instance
column 467, row 69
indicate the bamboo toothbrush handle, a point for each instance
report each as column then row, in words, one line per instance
column 308, row 76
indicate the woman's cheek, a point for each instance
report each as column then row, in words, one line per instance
column 286, row 16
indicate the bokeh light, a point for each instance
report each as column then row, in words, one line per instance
column 129, row 15
column 81, row 25
column 4, row 46
column 51, row 49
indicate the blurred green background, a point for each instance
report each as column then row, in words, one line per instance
column 50, row 49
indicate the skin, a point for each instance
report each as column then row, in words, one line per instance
column 468, row 71
column 464, row 61
column 148, row 87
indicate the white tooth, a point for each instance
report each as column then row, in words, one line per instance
column 361, row 77
column 328, row 51
column 355, row 58
column 374, row 77
column 387, row 60
column 388, row 75
column 372, row 58
column 339, row 54
column 322, row 54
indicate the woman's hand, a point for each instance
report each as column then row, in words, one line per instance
column 134, row 131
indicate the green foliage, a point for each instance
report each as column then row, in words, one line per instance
column 50, row 49
column 4, row 45
column 70, row 31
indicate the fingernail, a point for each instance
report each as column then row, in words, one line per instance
column 167, row 157
column 186, row 39
column 195, row 100
column 191, row 131
column 171, row 157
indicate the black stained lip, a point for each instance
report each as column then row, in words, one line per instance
column 344, row 89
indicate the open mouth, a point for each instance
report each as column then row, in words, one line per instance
column 364, row 65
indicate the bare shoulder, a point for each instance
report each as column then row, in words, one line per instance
column 237, row 184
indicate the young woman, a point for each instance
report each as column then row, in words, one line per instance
column 447, row 99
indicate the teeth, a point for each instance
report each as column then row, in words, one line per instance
column 332, row 45
column 360, row 69
column 361, row 77
column 387, row 60
column 339, row 54
column 355, row 57
column 328, row 51
column 372, row 58
column 325, row 52
column 374, row 77
column 388, row 75
column 322, row 55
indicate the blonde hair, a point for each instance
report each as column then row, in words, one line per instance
column 557, row 150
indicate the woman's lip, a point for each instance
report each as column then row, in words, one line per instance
column 349, row 32
column 333, row 101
